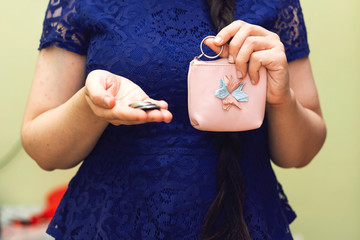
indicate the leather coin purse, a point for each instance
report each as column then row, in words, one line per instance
column 219, row 101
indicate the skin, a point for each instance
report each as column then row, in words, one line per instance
column 64, row 118
column 296, row 127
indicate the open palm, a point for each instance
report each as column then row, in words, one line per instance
column 109, row 96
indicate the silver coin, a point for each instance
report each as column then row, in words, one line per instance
column 137, row 104
column 144, row 106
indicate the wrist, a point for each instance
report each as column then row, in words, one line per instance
column 87, row 113
column 287, row 100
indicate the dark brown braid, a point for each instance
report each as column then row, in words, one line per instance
column 224, row 219
column 221, row 12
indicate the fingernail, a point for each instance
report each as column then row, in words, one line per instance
column 107, row 101
column 239, row 74
column 217, row 40
column 230, row 59
column 253, row 81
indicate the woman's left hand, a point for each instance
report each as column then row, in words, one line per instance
column 250, row 48
column 296, row 128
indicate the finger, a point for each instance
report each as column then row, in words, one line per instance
column 274, row 60
column 234, row 48
column 255, row 64
column 238, row 32
column 120, row 114
column 251, row 44
column 228, row 32
column 137, row 116
column 161, row 116
column 154, row 116
column 167, row 115
column 112, row 86
column 126, row 113
column 161, row 103
column 100, row 88
column 211, row 44
column 239, row 38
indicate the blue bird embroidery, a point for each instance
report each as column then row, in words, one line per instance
column 233, row 86
column 222, row 92
column 239, row 94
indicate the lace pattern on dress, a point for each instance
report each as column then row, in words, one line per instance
column 156, row 181
column 59, row 27
column 290, row 26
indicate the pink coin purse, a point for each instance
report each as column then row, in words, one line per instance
column 218, row 101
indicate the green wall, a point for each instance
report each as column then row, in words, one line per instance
column 325, row 194
column 21, row 180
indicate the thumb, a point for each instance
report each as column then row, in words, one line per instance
column 101, row 88
column 216, row 48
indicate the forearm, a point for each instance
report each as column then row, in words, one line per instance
column 296, row 134
column 63, row 136
column 296, row 128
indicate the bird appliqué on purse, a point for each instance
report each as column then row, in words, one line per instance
column 230, row 92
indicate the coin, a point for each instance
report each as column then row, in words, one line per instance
column 146, row 106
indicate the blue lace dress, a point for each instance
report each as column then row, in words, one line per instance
column 156, row 181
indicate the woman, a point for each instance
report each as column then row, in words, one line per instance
column 157, row 180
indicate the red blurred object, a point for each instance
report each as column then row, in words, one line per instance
column 52, row 202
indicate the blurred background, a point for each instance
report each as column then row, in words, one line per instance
column 325, row 194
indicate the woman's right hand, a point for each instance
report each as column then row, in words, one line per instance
column 109, row 96
column 63, row 119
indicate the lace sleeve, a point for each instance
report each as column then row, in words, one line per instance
column 291, row 28
column 61, row 28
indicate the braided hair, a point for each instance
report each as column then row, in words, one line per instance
column 224, row 219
